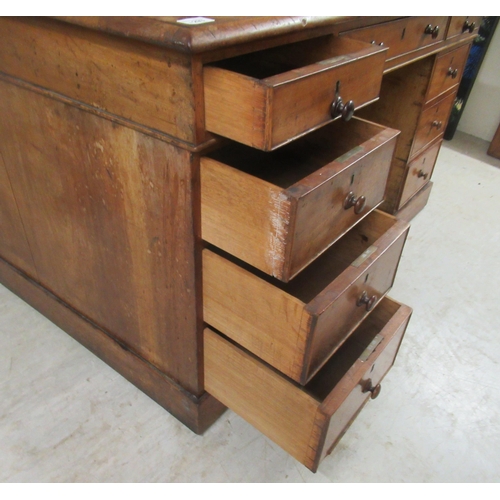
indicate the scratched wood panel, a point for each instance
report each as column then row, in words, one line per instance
column 143, row 83
column 108, row 215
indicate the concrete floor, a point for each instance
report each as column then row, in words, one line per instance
column 65, row 416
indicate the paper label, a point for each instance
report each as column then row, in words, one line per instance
column 371, row 347
column 364, row 256
column 195, row 20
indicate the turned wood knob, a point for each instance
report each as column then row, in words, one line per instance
column 453, row 72
column 433, row 31
column 338, row 108
column 365, row 300
column 468, row 27
column 437, row 124
column 375, row 391
column 358, row 203
column 422, row 174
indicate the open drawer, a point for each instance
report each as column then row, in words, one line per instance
column 267, row 98
column 296, row 326
column 278, row 211
column 307, row 422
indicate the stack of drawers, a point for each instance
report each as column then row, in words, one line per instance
column 417, row 99
column 298, row 260
column 446, row 74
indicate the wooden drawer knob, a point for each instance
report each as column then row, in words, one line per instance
column 468, row 27
column 453, row 72
column 375, row 391
column 422, row 174
column 358, row 203
column 364, row 299
column 433, row 31
column 437, row 124
column 338, row 108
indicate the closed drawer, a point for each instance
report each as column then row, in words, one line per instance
column 419, row 172
column 463, row 25
column 447, row 72
column 432, row 124
column 278, row 211
column 307, row 421
column 268, row 98
column 296, row 326
column 404, row 35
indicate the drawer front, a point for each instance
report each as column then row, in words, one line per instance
column 296, row 327
column 306, row 422
column 369, row 383
column 419, row 172
column 432, row 124
column 247, row 101
column 369, row 281
column 280, row 216
column 463, row 25
column 448, row 71
column 404, row 35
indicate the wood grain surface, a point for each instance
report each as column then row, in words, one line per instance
column 297, row 326
column 305, row 422
column 142, row 83
column 279, row 211
column 108, row 217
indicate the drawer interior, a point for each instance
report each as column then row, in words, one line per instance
column 325, row 269
column 270, row 62
column 298, row 159
column 360, row 344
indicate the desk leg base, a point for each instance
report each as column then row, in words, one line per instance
column 196, row 412
column 415, row 204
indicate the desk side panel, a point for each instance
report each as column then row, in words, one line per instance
column 108, row 214
column 145, row 84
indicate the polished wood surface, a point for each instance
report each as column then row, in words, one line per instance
column 225, row 31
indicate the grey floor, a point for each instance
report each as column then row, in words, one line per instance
column 65, row 416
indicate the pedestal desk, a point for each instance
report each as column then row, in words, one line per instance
column 216, row 207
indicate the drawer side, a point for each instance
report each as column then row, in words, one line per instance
column 265, row 399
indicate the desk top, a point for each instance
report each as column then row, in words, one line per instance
column 200, row 34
